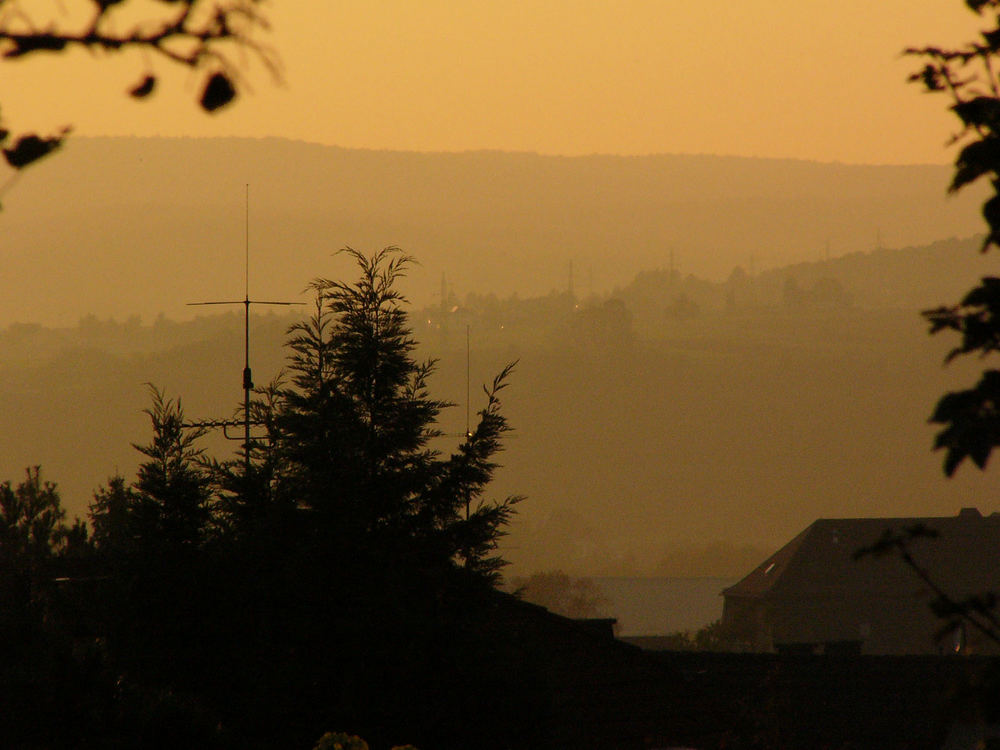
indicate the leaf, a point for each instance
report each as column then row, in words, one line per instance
column 144, row 88
column 218, row 92
column 992, row 39
column 986, row 294
column 30, row 148
column 972, row 420
column 991, row 212
column 974, row 161
column 982, row 111
column 930, row 77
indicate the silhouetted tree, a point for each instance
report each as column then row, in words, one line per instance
column 559, row 593
column 74, row 541
column 173, row 503
column 112, row 516
column 340, row 577
column 197, row 34
column 354, row 429
column 31, row 522
column 967, row 75
column 248, row 507
column 363, row 554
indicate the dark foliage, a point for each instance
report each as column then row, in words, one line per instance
column 218, row 92
column 970, row 417
column 30, row 148
column 112, row 517
column 342, row 577
column 977, row 610
column 172, row 505
column 355, row 427
column 195, row 34
column 144, row 88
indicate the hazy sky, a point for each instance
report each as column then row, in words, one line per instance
column 808, row 79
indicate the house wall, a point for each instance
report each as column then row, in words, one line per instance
column 880, row 625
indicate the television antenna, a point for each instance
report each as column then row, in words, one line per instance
column 468, row 373
column 247, row 422
column 468, row 392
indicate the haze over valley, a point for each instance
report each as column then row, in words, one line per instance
column 124, row 226
column 540, row 374
column 736, row 357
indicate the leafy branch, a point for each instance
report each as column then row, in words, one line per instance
column 971, row 417
column 195, row 34
column 977, row 610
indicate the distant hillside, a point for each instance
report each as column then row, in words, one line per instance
column 645, row 442
column 139, row 226
column 906, row 279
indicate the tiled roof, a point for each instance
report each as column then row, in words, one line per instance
column 820, row 561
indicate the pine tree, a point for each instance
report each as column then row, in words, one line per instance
column 248, row 508
column 173, row 505
column 31, row 520
column 112, row 515
column 356, row 425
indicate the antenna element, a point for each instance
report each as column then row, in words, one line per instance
column 247, row 374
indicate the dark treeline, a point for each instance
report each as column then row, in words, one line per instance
column 337, row 574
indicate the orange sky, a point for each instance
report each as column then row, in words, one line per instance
column 807, row 79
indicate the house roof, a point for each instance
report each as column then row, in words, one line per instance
column 820, row 561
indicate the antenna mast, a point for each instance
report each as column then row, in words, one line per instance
column 247, row 374
column 468, row 372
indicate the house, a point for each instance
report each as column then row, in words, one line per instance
column 815, row 596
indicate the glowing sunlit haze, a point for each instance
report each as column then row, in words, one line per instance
column 784, row 133
column 767, row 78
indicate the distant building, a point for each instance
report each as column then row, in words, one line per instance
column 813, row 596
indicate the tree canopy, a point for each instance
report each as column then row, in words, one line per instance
column 348, row 560
column 356, row 424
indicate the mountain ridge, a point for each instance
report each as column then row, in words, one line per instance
column 164, row 219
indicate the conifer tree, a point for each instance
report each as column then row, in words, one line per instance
column 112, row 516
column 248, row 508
column 173, row 505
column 31, row 519
column 357, row 423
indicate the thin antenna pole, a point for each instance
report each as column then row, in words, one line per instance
column 468, row 423
column 247, row 383
column 246, row 302
column 468, row 376
column 247, row 376
column 246, row 244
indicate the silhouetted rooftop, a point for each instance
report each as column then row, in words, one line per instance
column 821, row 560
